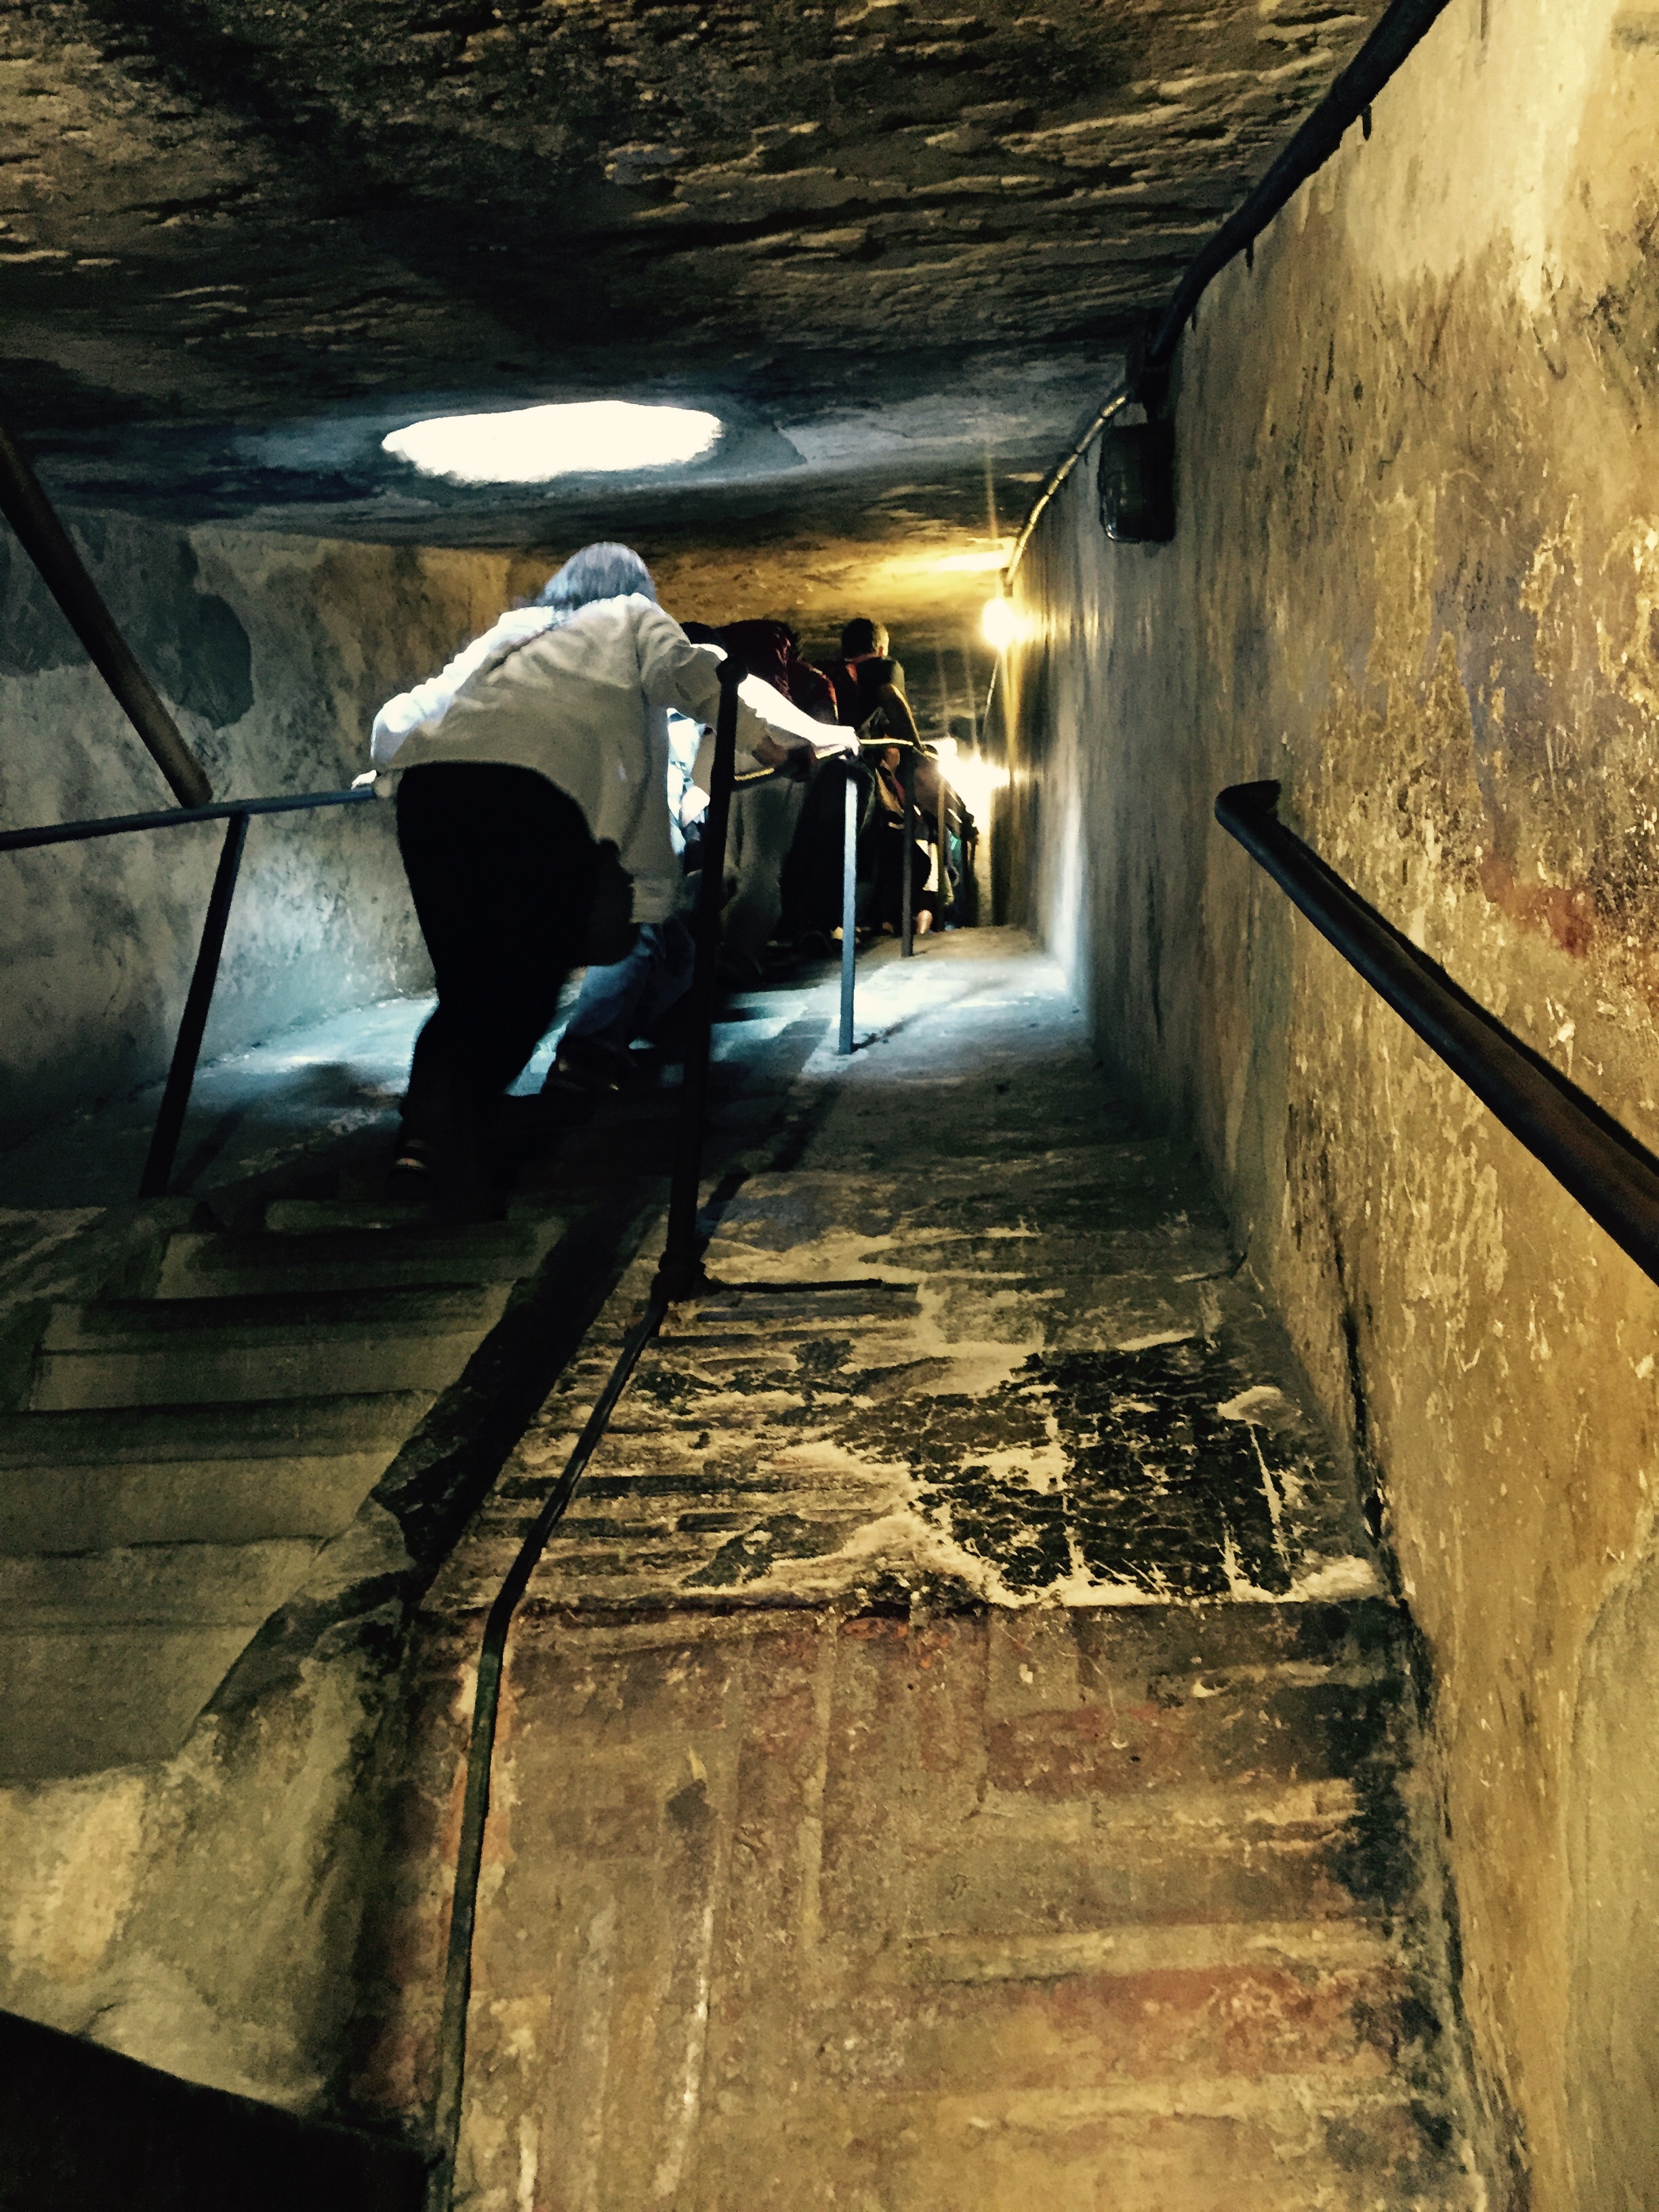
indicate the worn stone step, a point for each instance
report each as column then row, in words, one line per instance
column 753, row 1246
column 87, row 1480
column 221, row 1263
column 1139, row 2149
column 1061, row 1307
column 108, row 1657
column 1246, row 1735
column 1238, row 2023
column 123, row 1352
column 1025, row 1123
column 1095, row 1706
column 1189, row 1852
column 77, row 1700
column 647, row 1521
column 1308, row 1949
column 154, row 1585
column 1080, row 1196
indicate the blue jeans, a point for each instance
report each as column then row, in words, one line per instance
column 619, row 1001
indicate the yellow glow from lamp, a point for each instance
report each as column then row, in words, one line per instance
column 975, row 779
column 999, row 624
column 971, row 564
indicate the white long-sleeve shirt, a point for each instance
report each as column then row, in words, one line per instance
column 583, row 699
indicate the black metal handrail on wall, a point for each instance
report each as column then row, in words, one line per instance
column 1390, row 43
column 1612, row 1176
column 235, row 813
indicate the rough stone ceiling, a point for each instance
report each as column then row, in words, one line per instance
column 893, row 249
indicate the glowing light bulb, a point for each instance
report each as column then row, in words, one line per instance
column 999, row 624
column 532, row 445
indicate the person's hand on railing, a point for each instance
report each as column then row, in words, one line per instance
column 369, row 775
column 800, row 758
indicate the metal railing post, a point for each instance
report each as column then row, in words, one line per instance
column 849, row 907
column 24, row 503
column 680, row 1270
column 947, row 897
column 175, row 1099
column 907, row 879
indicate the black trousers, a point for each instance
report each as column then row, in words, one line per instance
column 500, row 866
column 888, row 900
column 811, row 876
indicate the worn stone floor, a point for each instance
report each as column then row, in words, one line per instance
column 958, row 1749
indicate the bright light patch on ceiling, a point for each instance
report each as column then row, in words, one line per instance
column 531, row 445
column 970, row 564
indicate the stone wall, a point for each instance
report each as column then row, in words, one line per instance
column 1415, row 578
column 274, row 652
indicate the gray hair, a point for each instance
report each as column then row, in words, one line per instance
column 605, row 571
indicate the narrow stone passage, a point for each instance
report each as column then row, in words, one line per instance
column 958, row 1750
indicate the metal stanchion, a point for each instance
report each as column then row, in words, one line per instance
column 849, row 906
column 945, row 904
column 908, row 875
column 192, row 1027
column 680, row 1270
column 49, row 545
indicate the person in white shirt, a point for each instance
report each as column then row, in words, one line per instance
column 543, row 741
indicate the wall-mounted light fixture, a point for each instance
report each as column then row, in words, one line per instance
column 1137, row 482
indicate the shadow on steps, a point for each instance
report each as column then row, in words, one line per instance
column 84, row 2126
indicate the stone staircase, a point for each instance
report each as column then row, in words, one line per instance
column 178, row 1457
column 958, row 1750
column 238, row 1438
column 1011, row 1912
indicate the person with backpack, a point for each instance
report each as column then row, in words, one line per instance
column 869, row 684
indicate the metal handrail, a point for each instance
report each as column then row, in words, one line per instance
column 1612, row 1174
column 235, row 813
column 169, row 818
column 1391, row 41
column 24, row 503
